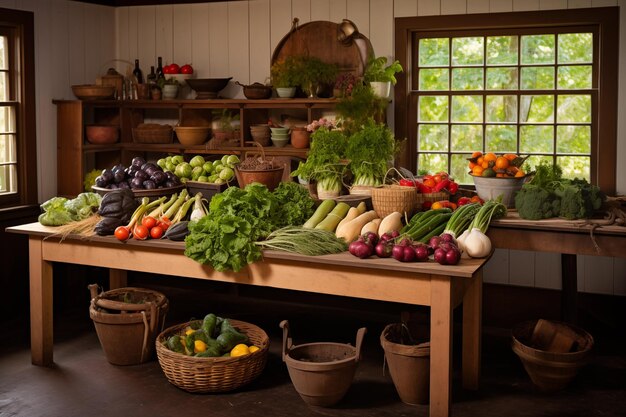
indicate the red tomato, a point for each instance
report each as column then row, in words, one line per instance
column 149, row 222
column 166, row 69
column 122, row 233
column 156, row 232
column 174, row 69
column 429, row 182
column 407, row 183
column 141, row 232
column 186, row 69
column 453, row 187
column 463, row 201
column 437, row 178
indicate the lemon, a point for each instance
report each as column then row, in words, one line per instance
column 253, row 349
column 239, row 350
column 199, row 346
column 189, row 331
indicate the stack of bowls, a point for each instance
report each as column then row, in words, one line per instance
column 260, row 133
column 280, row 136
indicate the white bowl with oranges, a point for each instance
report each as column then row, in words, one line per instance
column 498, row 175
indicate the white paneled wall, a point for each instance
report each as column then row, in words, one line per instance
column 75, row 42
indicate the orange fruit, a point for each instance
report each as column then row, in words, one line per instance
column 510, row 156
column 477, row 154
column 480, row 160
column 485, row 164
column 502, row 163
column 477, row 170
column 472, row 165
column 520, row 173
column 500, row 175
column 490, row 157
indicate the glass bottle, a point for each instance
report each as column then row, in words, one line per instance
column 152, row 77
column 159, row 69
column 137, row 72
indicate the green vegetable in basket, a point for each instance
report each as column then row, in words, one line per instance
column 209, row 323
column 175, row 344
column 210, row 352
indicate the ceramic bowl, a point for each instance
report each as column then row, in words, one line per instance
column 279, row 143
column 192, row 135
column 102, row 134
column 280, row 130
column 280, row 136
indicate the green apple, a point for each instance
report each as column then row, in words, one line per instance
column 217, row 162
column 197, row 161
column 226, row 174
column 169, row 166
column 225, row 159
column 220, row 181
column 203, row 178
column 161, row 162
column 196, row 172
column 218, row 168
column 213, row 177
column 208, row 167
column 177, row 159
column 232, row 160
column 183, row 170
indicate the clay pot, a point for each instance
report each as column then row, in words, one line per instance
column 300, row 138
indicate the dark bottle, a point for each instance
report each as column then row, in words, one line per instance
column 151, row 78
column 137, row 72
column 159, row 69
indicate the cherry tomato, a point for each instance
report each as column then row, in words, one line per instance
column 407, row 183
column 186, row 69
column 149, row 222
column 174, row 69
column 463, row 201
column 156, row 232
column 141, row 232
column 122, row 233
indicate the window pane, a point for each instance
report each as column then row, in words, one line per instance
column 501, row 109
column 433, row 137
column 502, row 50
column 534, row 160
column 538, row 49
column 537, row 109
column 468, row 51
column 536, row 139
column 4, row 91
column 467, row 79
column 501, row 138
column 574, row 109
column 537, row 78
column 7, row 148
column 434, row 52
column 575, row 47
column 467, row 137
column 467, row 109
column 458, row 168
column 8, row 179
column 4, row 51
column 501, row 78
column 434, row 79
column 433, row 109
column 429, row 162
column 575, row 166
column 573, row 139
column 574, row 77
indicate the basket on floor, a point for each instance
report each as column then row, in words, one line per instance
column 390, row 198
column 219, row 374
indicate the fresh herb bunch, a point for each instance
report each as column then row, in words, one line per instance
column 358, row 108
column 378, row 70
column 324, row 162
column 370, row 150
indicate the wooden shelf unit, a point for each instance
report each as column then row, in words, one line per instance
column 76, row 156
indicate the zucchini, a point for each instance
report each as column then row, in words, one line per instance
column 334, row 217
column 418, row 233
column 320, row 213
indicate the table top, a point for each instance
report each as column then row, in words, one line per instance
column 513, row 220
column 466, row 268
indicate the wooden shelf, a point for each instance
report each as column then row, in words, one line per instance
column 74, row 115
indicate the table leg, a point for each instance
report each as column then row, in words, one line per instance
column 472, row 331
column 41, row 341
column 569, row 283
column 440, row 345
column 117, row 278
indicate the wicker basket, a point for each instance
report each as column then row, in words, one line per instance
column 218, row 374
column 390, row 198
column 160, row 134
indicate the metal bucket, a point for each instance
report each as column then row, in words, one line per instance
column 321, row 372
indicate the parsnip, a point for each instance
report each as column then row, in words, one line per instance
column 351, row 230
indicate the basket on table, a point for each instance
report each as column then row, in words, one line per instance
column 153, row 133
column 213, row 374
column 390, row 198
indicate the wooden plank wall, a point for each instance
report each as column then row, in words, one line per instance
column 75, row 40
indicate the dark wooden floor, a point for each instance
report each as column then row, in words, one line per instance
column 82, row 383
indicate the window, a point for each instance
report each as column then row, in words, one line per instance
column 18, row 180
column 534, row 86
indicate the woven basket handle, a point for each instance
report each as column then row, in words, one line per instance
column 287, row 342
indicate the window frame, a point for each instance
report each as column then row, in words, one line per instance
column 604, row 116
column 19, row 28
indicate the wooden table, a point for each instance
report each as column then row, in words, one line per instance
column 429, row 284
column 567, row 237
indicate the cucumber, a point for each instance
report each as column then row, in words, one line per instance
column 320, row 214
